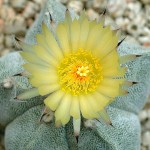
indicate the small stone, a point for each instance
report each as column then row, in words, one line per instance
column 148, row 113
column 92, row 14
column 1, row 25
column 63, row 1
column 5, row 52
column 17, row 27
column 146, row 1
column 77, row 6
column 3, row 12
column 117, row 9
column 29, row 22
column 142, row 115
column 147, row 125
column 30, row 10
column 6, row 2
column 1, row 48
column 99, row 3
column 146, row 138
column 122, row 22
column 18, row 4
column 133, row 28
column 1, row 38
column 143, row 148
column 89, row 4
column 144, row 39
column 1, row 2
column 39, row 2
column 8, row 41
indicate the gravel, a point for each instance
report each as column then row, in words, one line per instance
column 131, row 16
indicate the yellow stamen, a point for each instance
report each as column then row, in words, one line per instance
column 79, row 73
column 82, row 71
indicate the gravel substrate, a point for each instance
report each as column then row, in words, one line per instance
column 131, row 16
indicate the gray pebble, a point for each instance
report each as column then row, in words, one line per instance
column 146, row 1
column 146, row 138
column 142, row 115
column 1, row 38
column 77, row 6
column 5, row 52
column 18, row 4
column 8, row 41
column 30, row 10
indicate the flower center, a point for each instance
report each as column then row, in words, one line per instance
column 79, row 73
column 83, row 71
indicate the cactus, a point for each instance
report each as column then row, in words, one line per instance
column 21, row 118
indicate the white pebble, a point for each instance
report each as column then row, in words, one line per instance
column 144, row 39
column 1, row 38
column 146, row 138
column 30, row 10
column 18, row 4
column 92, row 14
column 8, row 41
column 147, row 125
column 146, row 1
column 148, row 113
column 17, row 27
column 122, row 22
column 1, row 47
column 116, row 9
column 39, row 2
column 143, row 115
column 99, row 3
column 5, row 52
column 63, row 1
column 77, row 6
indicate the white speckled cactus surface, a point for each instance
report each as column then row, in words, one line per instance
column 21, row 119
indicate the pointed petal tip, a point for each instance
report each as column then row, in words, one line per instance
column 58, row 123
column 28, row 94
column 121, row 42
column 76, row 126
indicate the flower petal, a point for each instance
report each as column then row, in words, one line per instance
column 54, row 100
column 105, row 43
column 84, row 31
column 32, row 58
column 101, row 99
column 62, row 34
column 47, row 89
column 63, row 111
column 110, row 91
column 43, row 79
column 75, row 108
column 86, row 110
column 52, row 43
column 43, row 54
column 36, row 69
column 93, row 36
column 75, row 33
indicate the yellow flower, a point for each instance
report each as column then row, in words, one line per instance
column 78, row 69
